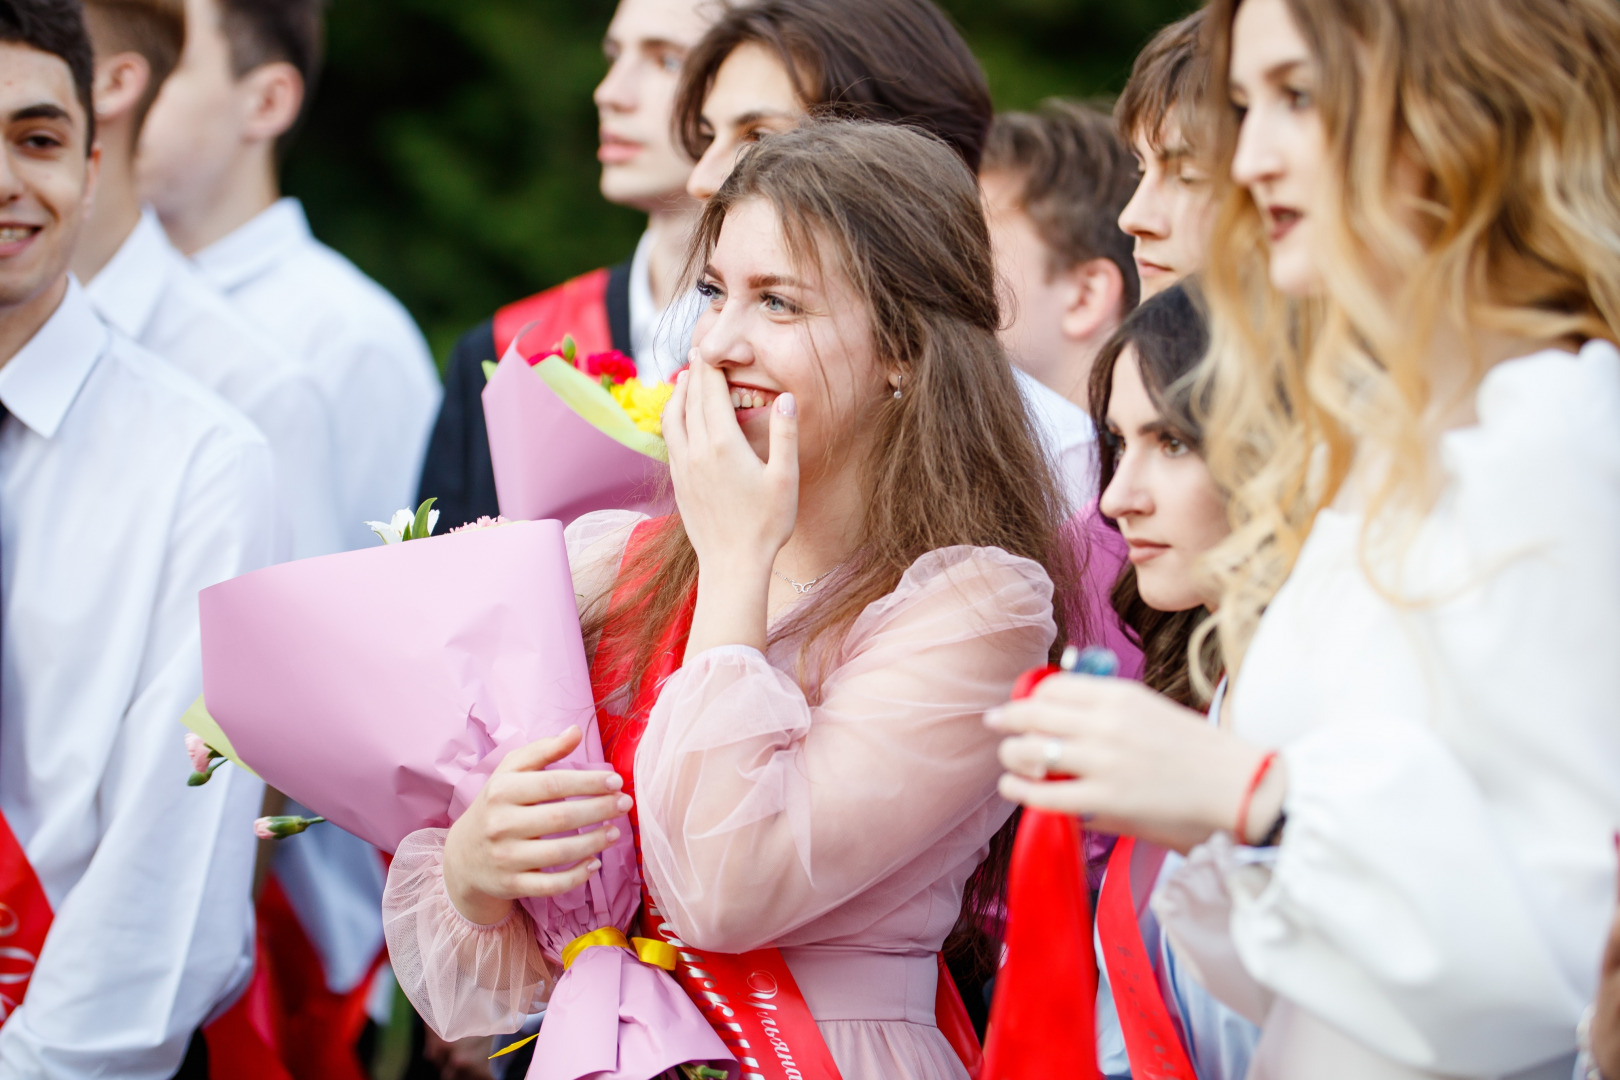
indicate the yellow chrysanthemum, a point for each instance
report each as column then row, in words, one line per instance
column 644, row 402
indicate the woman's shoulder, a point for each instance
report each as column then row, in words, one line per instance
column 601, row 528
column 949, row 583
column 596, row 543
column 1543, row 462
column 1551, row 408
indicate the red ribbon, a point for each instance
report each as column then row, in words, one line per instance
column 1041, row 1021
column 25, row 920
column 751, row 1000
column 1151, row 1041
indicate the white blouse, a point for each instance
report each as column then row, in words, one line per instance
column 1442, row 892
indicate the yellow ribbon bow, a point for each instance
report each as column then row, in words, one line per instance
column 648, row 951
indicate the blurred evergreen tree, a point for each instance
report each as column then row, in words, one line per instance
column 451, row 151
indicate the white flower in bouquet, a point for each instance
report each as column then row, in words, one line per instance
column 406, row 525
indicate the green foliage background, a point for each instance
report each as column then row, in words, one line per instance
column 451, row 148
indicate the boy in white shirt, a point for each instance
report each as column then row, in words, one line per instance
column 632, row 307
column 209, row 164
column 1054, row 182
column 141, row 285
column 125, row 488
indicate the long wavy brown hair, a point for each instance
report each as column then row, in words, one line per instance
column 954, row 460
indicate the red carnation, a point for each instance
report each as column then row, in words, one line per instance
column 612, row 365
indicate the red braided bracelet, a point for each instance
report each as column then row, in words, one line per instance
column 1240, row 833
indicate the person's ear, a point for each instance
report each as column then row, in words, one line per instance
column 274, row 96
column 120, row 84
column 92, row 175
column 1094, row 299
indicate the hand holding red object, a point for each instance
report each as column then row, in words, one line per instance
column 1042, row 1022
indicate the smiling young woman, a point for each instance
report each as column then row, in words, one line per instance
column 1415, row 410
column 865, row 547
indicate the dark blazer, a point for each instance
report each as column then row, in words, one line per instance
column 456, row 470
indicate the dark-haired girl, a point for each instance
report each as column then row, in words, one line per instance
column 1158, row 492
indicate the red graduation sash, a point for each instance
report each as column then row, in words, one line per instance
column 751, row 999
column 1151, row 1042
column 577, row 307
column 25, row 920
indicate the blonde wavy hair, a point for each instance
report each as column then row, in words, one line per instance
column 1501, row 119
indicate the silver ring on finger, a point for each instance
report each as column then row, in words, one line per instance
column 1051, row 755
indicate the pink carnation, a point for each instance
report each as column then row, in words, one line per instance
column 262, row 829
column 484, row 522
column 613, row 364
column 201, row 756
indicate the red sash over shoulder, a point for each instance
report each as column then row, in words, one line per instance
column 1151, row 1042
column 577, row 307
column 25, row 919
column 751, row 999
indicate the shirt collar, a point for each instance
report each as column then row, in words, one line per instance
column 255, row 247
column 643, row 312
column 39, row 384
column 128, row 289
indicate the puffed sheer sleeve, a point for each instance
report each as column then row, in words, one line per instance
column 1446, row 877
column 464, row 978
column 761, row 811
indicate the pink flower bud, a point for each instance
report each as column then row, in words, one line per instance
column 275, row 828
column 201, row 756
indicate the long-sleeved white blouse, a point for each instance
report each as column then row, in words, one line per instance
column 1439, row 901
column 839, row 826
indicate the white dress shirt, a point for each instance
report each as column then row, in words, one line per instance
column 660, row 338
column 125, row 488
column 152, row 295
column 1443, row 890
column 368, row 357
column 1068, row 436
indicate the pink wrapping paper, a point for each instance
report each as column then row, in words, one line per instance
column 551, row 463
column 381, row 688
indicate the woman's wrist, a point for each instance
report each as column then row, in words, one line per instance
column 1266, row 805
column 471, row 903
column 1237, row 787
column 731, row 605
column 475, row 906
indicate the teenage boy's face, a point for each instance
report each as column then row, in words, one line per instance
column 46, row 179
column 1172, row 211
column 646, row 45
column 193, row 133
column 1037, row 298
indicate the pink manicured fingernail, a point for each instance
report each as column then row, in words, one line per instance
column 613, row 781
column 594, row 865
column 612, row 833
column 680, row 377
column 992, row 719
column 787, row 406
column 625, row 802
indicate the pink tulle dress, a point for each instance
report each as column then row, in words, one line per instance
column 840, row 828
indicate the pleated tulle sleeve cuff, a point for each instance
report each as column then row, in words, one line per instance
column 463, row 977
